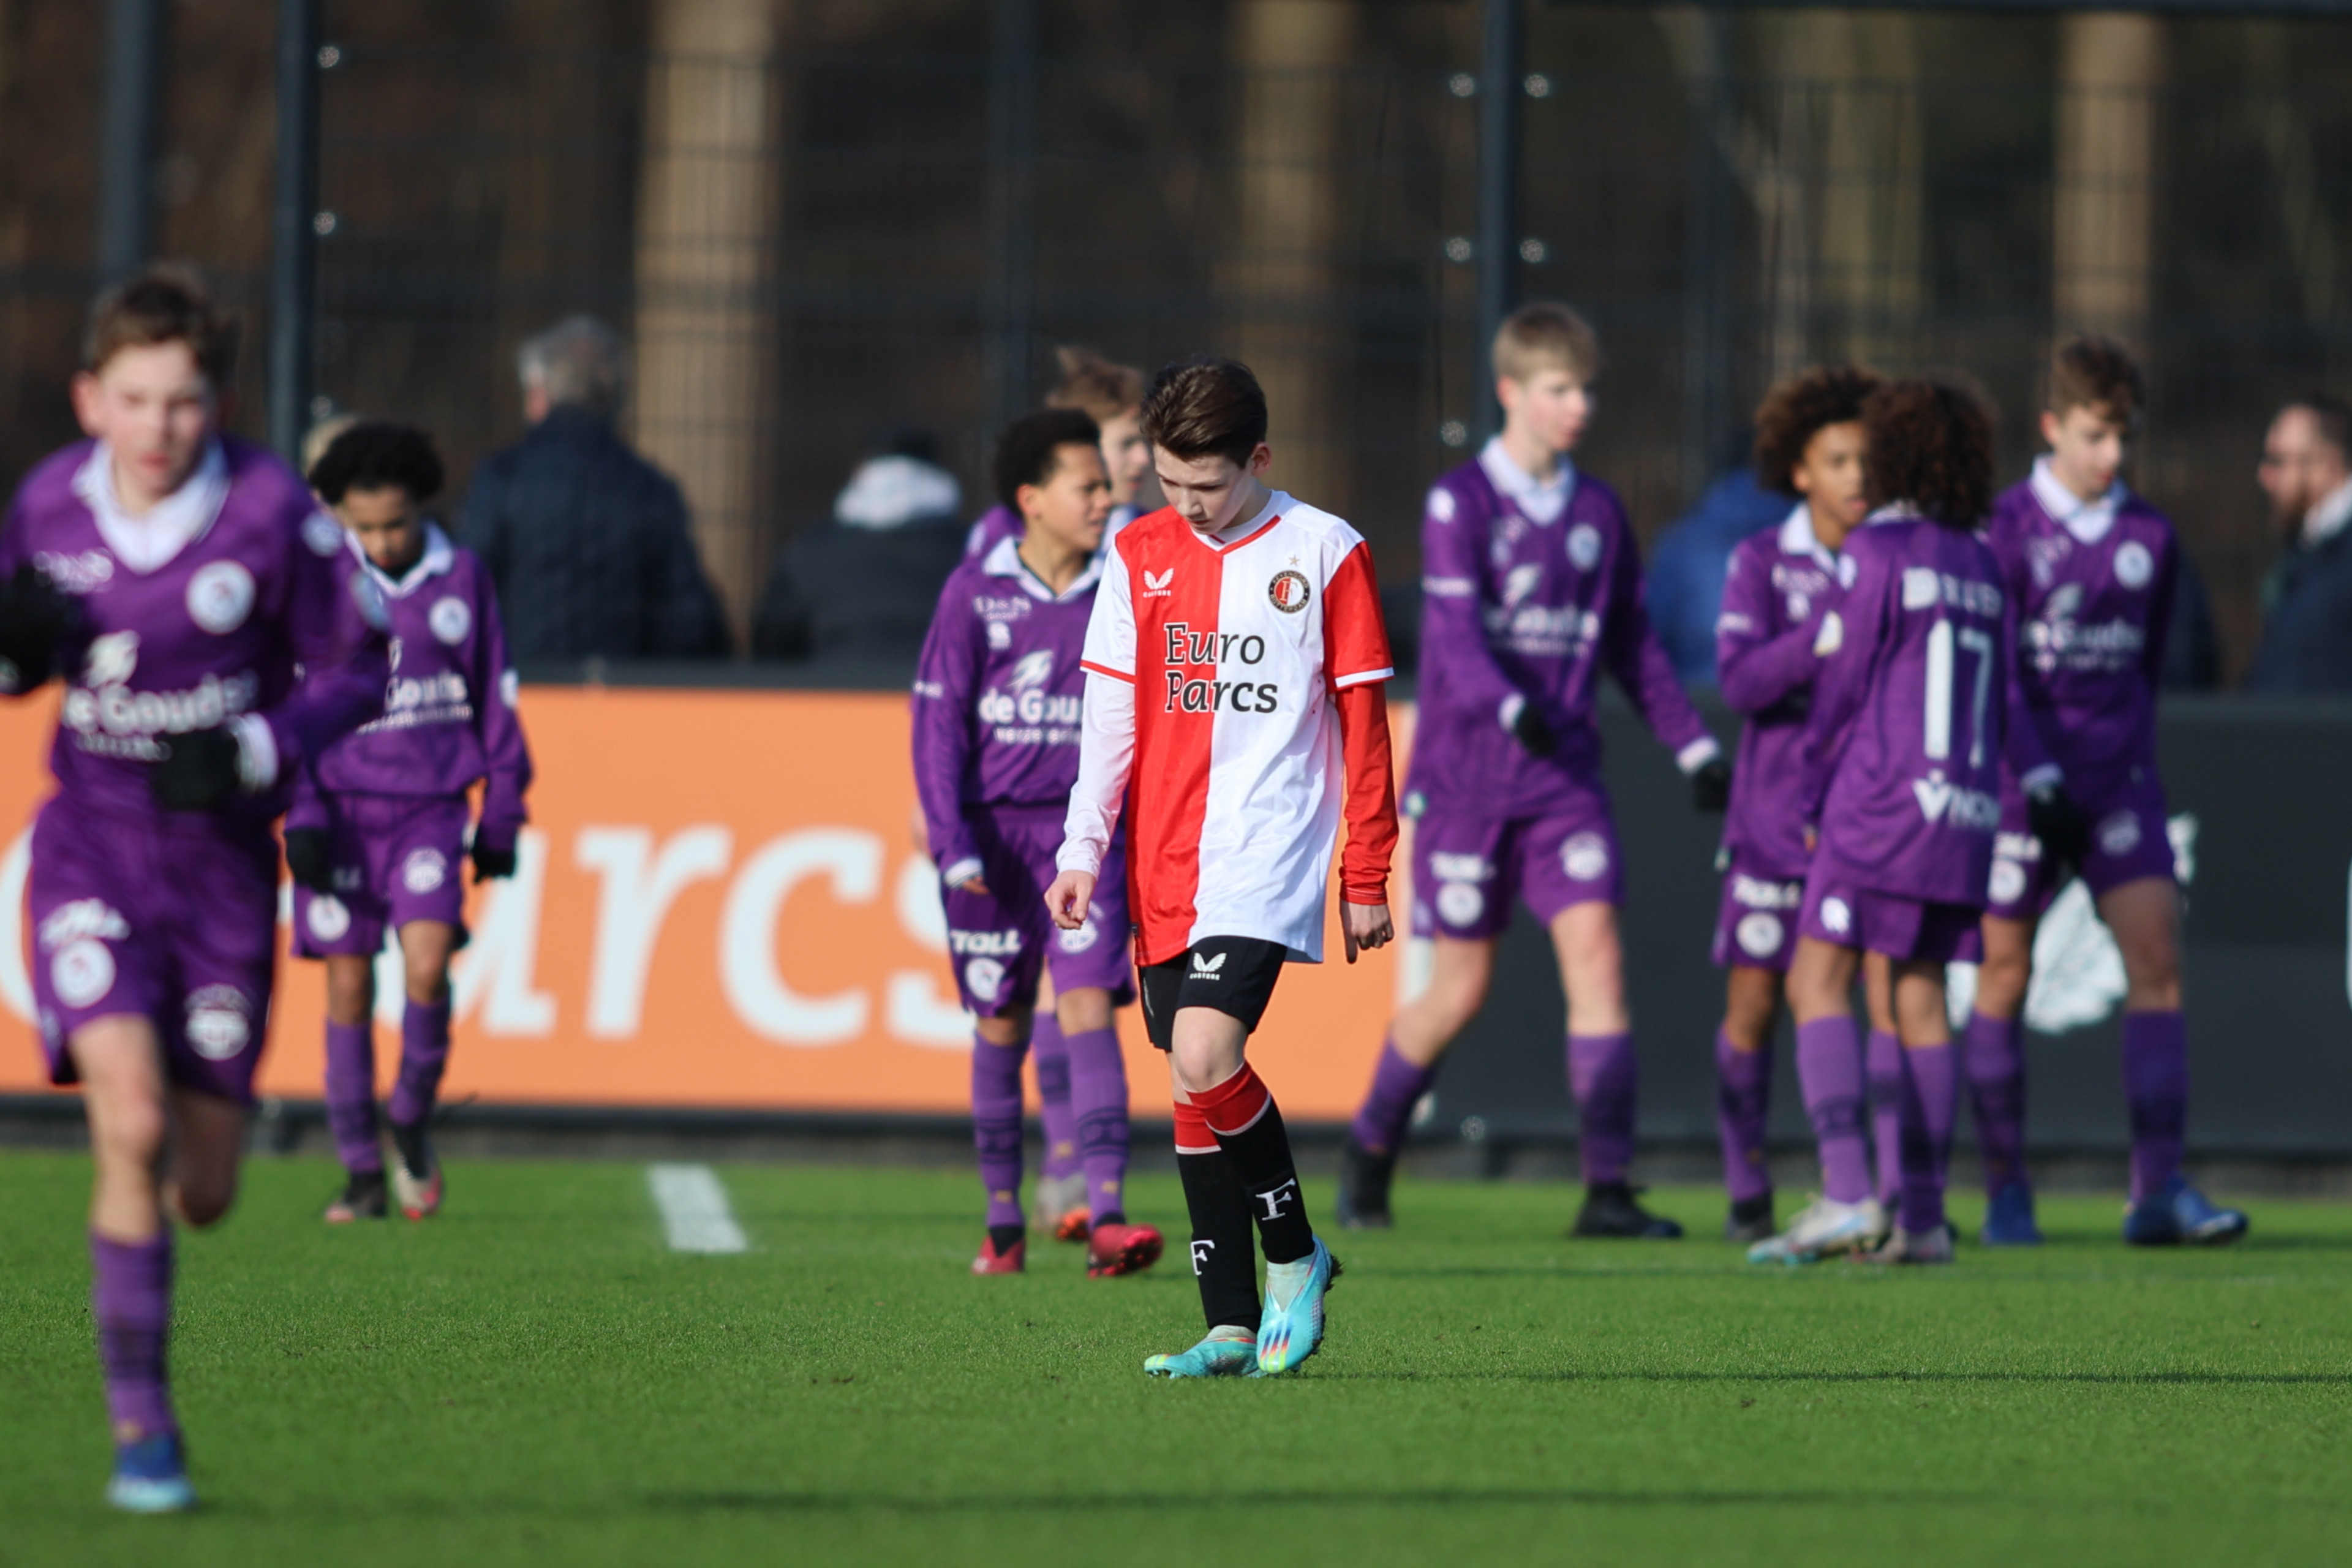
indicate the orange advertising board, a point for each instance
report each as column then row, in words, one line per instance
column 719, row 904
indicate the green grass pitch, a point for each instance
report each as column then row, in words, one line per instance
column 534, row 1378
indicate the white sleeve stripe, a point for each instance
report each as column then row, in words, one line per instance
column 1341, row 683
column 1697, row 754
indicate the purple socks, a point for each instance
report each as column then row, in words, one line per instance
column 1829, row 1068
column 423, row 1053
column 1603, row 1076
column 1884, row 1063
column 130, row 1297
column 1996, row 1068
column 1098, row 1106
column 350, row 1096
column 1050, row 1053
column 1931, row 1104
column 2156, row 1093
column 1743, row 1079
column 1397, row 1088
column 997, row 1127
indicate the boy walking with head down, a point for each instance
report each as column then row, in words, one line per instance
column 1233, row 704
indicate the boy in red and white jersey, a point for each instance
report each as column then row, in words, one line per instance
column 1233, row 703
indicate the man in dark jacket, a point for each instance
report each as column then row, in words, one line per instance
column 2306, row 471
column 865, row 585
column 588, row 543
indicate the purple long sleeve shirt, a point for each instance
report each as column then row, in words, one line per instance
column 1775, row 591
column 256, row 610
column 449, row 706
column 2091, row 585
column 999, row 695
column 1904, row 745
column 1517, row 610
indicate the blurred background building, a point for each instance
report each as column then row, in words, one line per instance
column 815, row 218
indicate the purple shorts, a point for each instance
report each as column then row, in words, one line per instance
column 1467, row 869
column 1838, row 909
column 2129, row 842
column 173, row 921
column 396, row 859
column 1756, row 925
column 998, row 941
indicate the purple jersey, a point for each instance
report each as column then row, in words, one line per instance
column 1775, row 591
column 449, row 707
column 1522, row 610
column 2091, row 585
column 998, row 698
column 1904, row 745
column 236, row 599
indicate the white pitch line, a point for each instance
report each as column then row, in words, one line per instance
column 694, row 1211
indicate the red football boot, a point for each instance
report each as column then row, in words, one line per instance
column 992, row 1261
column 1117, row 1247
column 1075, row 1225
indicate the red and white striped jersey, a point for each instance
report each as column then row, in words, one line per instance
column 1233, row 701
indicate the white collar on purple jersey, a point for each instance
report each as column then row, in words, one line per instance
column 1005, row 561
column 149, row 543
column 439, row 557
column 1537, row 501
column 1894, row 511
column 2326, row 520
column 1797, row 538
column 2088, row 521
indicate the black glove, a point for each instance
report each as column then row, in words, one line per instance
column 307, row 859
column 2058, row 824
column 1530, row 730
column 198, row 771
column 34, row 618
column 493, row 864
column 1711, row 786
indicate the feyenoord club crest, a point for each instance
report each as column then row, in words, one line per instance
column 1289, row 592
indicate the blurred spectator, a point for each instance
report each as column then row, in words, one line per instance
column 322, row 435
column 2306, row 471
column 2192, row 653
column 1686, row 569
column 589, row 544
column 866, row 585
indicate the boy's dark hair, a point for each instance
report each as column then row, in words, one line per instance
column 2095, row 373
column 1030, row 450
column 1797, row 410
column 376, row 457
column 1096, row 386
column 2332, row 415
column 1205, row 407
column 166, row 303
column 1931, row 445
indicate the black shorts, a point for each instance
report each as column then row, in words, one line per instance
column 1232, row 975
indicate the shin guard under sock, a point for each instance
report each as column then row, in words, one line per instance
column 351, row 1097
column 1883, row 1064
column 1743, row 1079
column 997, row 1127
column 1604, row 1077
column 1829, row 1069
column 1098, row 1105
column 1996, row 1070
column 1050, row 1053
column 1397, row 1087
column 2156, row 1093
column 1248, row 1127
column 1224, row 1257
column 424, row 1056
column 130, row 1299
column 1931, row 1103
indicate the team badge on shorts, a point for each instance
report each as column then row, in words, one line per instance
column 219, row 1025
column 1837, row 916
column 1460, row 904
column 328, row 917
column 423, row 870
column 81, row 972
column 2134, row 564
column 2008, row 882
column 2119, row 832
column 1759, row 934
column 1585, row 857
column 1289, row 592
column 1083, row 938
column 984, row 977
column 220, row 596
column 450, row 619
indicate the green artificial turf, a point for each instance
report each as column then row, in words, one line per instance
column 533, row 1377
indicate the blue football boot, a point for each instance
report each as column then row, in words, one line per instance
column 1209, row 1357
column 1292, row 1327
column 2008, row 1218
column 150, row 1476
column 2176, row 1215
